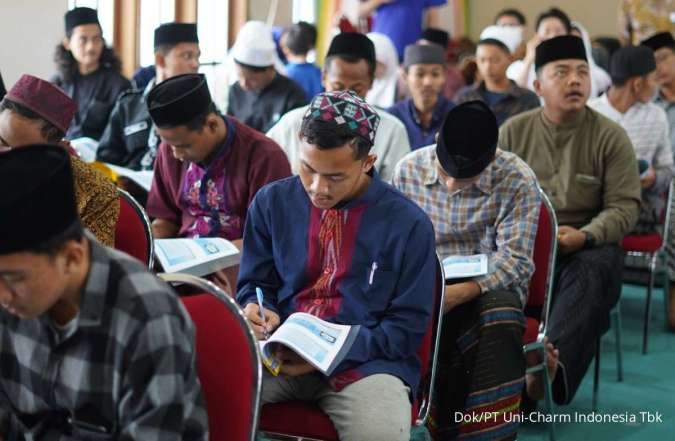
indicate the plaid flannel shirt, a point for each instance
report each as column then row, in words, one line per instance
column 123, row 370
column 497, row 215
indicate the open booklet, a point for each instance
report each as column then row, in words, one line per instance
column 198, row 257
column 459, row 267
column 322, row 344
column 140, row 177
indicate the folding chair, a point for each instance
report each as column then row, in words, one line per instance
column 132, row 232
column 539, row 298
column 228, row 360
column 304, row 421
column 653, row 247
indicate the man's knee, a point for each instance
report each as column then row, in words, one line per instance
column 375, row 408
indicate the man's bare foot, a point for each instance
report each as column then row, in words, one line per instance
column 534, row 383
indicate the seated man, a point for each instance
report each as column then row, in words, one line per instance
column 487, row 203
column 586, row 165
column 129, row 139
column 349, row 65
column 663, row 45
column 208, row 166
column 495, row 89
column 261, row 95
column 424, row 73
column 628, row 103
column 36, row 111
column 93, row 345
column 340, row 244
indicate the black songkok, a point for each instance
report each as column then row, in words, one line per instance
column 174, row 33
column 178, row 100
column 80, row 16
column 423, row 54
column 662, row 39
column 352, row 44
column 437, row 36
column 631, row 61
column 38, row 203
column 564, row 47
column 467, row 141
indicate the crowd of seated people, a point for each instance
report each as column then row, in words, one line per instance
column 342, row 183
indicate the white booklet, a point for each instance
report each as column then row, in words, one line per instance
column 141, row 177
column 198, row 257
column 458, row 267
column 321, row 343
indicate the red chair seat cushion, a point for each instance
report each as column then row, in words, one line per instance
column 297, row 418
column 646, row 243
column 531, row 330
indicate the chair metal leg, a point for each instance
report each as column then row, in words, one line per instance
column 666, row 286
column 648, row 305
column 616, row 316
column 596, row 375
column 548, row 397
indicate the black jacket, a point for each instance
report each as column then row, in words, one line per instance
column 125, row 139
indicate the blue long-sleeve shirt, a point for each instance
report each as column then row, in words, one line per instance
column 370, row 262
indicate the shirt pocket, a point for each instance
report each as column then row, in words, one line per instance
column 377, row 284
column 586, row 192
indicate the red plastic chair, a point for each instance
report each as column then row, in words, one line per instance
column 228, row 360
column 303, row 421
column 539, row 298
column 132, row 232
column 653, row 247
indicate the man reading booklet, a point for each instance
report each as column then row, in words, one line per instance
column 338, row 243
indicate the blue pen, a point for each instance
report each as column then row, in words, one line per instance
column 259, row 295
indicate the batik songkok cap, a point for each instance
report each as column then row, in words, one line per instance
column 467, row 140
column 44, row 99
column 38, row 203
column 345, row 108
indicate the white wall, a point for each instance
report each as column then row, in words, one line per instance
column 29, row 32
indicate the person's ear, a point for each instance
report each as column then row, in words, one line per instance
column 369, row 162
column 66, row 43
column 160, row 60
column 212, row 122
column 537, row 86
column 323, row 78
column 637, row 85
column 74, row 254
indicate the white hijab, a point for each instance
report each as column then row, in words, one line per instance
column 600, row 79
column 383, row 92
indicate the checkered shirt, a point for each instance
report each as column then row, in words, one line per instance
column 123, row 370
column 497, row 215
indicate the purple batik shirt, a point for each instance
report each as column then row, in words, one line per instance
column 212, row 200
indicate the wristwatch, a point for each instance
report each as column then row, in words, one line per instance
column 590, row 240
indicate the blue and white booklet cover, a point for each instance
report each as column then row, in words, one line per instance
column 198, row 257
column 321, row 343
column 458, row 267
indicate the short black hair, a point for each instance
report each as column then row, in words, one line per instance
column 51, row 247
column 513, row 13
column 555, row 13
column 164, row 49
column 300, row 38
column 493, row 42
column 51, row 133
column 326, row 136
column 351, row 59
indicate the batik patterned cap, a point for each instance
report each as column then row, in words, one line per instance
column 345, row 108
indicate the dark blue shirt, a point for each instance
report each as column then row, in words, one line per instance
column 307, row 75
column 380, row 264
column 421, row 136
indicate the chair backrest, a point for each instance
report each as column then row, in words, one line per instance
column 544, row 256
column 228, row 360
column 132, row 232
column 428, row 349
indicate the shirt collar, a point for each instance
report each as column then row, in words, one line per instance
column 573, row 124
column 372, row 194
column 224, row 147
column 149, row 87
column 436, row 114
column 513, row 89
column 430, row 175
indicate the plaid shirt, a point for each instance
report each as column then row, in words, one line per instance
column 496, row 216
column 126, row 364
